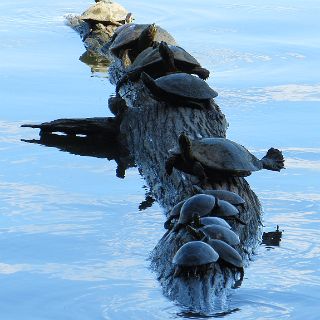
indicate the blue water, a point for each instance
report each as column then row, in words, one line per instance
column 73, row 243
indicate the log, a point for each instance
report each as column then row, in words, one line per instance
column 150, row 129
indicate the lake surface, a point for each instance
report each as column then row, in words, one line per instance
column 73, row 243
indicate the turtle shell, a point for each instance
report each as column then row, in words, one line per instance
column 130, row 34
column 225, row 195
column 206, row 221
column 226, row 252
column 186, row 86
column 151, row 56
column 199, row 204
column 224, row 154
column 195, row 253
column 225, row 209
column 121, row 28
column 221, row 233
column 175, row 212
column 105, row 12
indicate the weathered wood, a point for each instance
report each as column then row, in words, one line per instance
column 150, row 129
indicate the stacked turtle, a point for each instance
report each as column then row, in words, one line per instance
column 217, row 158
column 212, row 159
column 106, row 16
column 173, row 76
column 151, row 54
column 203, row 216
column 129, row 40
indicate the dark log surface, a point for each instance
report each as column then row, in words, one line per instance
column 150, row 128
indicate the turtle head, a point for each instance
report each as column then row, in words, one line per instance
column 152, row 30
column 129, row 18
column 146, row 38
column 167, row 56
column 184, row 143
column 150, row 84
column 147, row 80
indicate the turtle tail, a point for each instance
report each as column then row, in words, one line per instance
column 202, row 73
column 273, row 160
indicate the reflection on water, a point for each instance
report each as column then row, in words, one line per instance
column 73, row 241
column 97, row 64
column 289, row 92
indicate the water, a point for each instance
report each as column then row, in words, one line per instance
column 73, row 242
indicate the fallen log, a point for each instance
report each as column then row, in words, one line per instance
column 149, row 129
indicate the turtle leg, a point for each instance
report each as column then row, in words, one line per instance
column 170, row 164
column 198, row 171
column 194, row 105
column 177, row 272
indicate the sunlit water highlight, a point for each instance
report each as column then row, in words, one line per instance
column 73, row 243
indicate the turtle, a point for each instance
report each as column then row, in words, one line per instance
column 174, row 213
column 226, row 195
column 117, row 106
column 137, row 37
column 206, row 221
column 118, row 30
column 194, row 257
column 228, row 256
column 180, row 89
column 219, row 158
column 160, row 60
column 106, row 13
column 214, row 231
column 198, row 206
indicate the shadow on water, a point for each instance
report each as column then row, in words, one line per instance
column 90, row 146
column 194, row 315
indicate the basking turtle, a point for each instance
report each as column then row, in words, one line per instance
column 228, row 256
column 160, row 60
column 218, row 158
column 194, row 257
column 118, row 107
column 206, row 221
column 214, row 231
column 119, row 30
column 228, row 211
column 198, row 206
column 174, row 214
column 106, row 13
column 226, row 195
column 137, row 37
column 180, row 89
